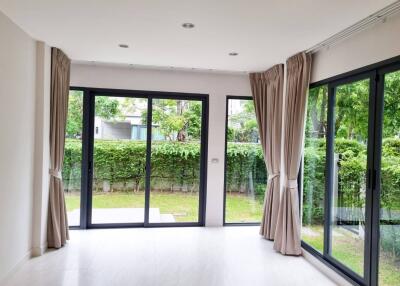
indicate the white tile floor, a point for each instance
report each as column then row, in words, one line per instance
column 167, row 256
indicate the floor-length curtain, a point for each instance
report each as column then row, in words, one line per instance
column 57, row 224
column 287, row 235
column 267, row 89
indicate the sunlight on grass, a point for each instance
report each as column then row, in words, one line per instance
column 243, row 208
column 350, row 253
column 184, row 207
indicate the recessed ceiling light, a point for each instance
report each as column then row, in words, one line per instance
column 188, row 25
column 124, row 46
column 233, row 54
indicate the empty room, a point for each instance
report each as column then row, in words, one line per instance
column 199, row 143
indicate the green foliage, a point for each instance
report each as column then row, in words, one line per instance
column 352, row 168
column 242, row 126
column 75, row 111
column 175, row 165
column 314, row 181
column 178, row 119
column 316, row 112
column 107, row 107
column 244, row 161
column 351, row 119
column 391, row 120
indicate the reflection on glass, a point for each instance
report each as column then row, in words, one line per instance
column 71, row 172
column 389, row 256
column 119, row 160
column 175, row 161
column 314, row 168
column 349, row 168
column 246, row 175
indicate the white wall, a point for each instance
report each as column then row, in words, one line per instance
column 375, row 44
column 17, row 131
column 216, row 85
column 42, row 149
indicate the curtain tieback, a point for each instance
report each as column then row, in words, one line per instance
column 272, row 176
column 291, row 184
column 55, row 173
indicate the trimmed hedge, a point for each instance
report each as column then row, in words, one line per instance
column 352, row 160
column 175, row 166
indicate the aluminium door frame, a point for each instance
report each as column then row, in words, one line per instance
column 88, row 144
column 332, row 88
column 376, row 113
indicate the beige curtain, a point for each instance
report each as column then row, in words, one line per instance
column 267, row 89
column 287, row 235
column 57, row 224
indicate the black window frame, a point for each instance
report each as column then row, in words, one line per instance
column 375, row 72
column 228, row 97
column 89, row 94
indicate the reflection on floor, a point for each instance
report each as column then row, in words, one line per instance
column 192, row 256
column 121, row 215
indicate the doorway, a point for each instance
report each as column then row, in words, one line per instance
column 143, row 159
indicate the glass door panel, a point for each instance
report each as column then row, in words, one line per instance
column 119, row 160
column 312, row 230
column 246, row 175
column 71, row 173
column 389, row 255
column 175, row 160
column 349, row 166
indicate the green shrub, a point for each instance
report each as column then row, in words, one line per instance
column 175, row 165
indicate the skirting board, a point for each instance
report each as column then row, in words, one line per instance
column 330, row 273
column 26, row 257
column 39, row 250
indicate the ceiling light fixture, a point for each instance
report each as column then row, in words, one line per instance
column 188, row 25
column 233, row 54
column 124, row 46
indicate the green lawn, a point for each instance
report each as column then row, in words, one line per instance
column 349, row 251
column 242, row 208
column 184, row 206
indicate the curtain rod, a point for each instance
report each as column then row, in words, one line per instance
column 379, row 16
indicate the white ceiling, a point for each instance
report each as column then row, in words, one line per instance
column 263, row 32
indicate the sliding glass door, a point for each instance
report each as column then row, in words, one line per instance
column 347, row 169
column 142, row 156
column 388, row 178
column 351, row 185
column 175, row 182
column 119, row 160
column 245, row 172
column 72, row 168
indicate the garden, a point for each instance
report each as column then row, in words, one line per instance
column 119, row 168
column 174, row 180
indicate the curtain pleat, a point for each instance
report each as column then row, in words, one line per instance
column 57, row 223
column 287, row 235
column 267, row 89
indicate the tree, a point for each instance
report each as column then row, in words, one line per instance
column 242, row 125
column 317, row 111
column 105, row 107
column 75, row 112
column 177, row 119
column 391, row 119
